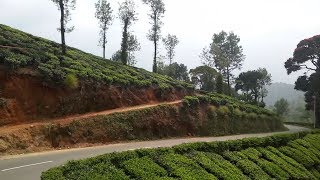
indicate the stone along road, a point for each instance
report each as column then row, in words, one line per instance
column 30, row 166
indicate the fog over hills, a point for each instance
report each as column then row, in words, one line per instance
column 282, row 90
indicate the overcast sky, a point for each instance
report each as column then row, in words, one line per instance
column 269, row 29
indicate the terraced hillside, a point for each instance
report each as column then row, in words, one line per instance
column 286, row 156
column 35, row 82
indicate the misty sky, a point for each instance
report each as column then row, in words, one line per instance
column 269, row 29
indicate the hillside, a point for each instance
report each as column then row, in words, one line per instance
column 34, row 84
column 288, row 156
column 209, row 115
column 277, row 91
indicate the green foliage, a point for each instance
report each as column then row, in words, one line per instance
column 175, row 71
column 204, row 77
column 270, row 168
column 298, row 155
column 44, row 56
column 71, row 81
column 224, row 100
column 144, row 168
column 293, row 168
column 248, row 167
column 281, row 107
column 218, row 166
column 184, row 168
column 219, row 88
column 225, row 54
column 252, row 85
column 190, row 101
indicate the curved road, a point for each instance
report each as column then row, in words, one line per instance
column 30, row 166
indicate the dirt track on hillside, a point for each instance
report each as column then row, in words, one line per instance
column 69, row 119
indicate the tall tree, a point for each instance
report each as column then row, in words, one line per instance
column 65, row 6
column 170, row 43
column 104, row 15
column 157, row 12
column 252, row 83
column 225, row 54
column 219, row 84
column 204, row 77
column 306, row 57
column 281, row 107
column 127, row 16
column 263, row 82
column 133, row 46
column 174, row 70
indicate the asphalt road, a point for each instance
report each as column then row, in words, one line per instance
column 30, row 166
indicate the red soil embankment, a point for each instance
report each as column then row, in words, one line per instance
column 25, row 98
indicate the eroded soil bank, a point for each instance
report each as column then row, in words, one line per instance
column 25, row 98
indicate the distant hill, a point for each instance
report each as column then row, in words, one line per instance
column 282, row 90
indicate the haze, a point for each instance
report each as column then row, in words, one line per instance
column 269, row 29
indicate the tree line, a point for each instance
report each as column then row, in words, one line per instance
column 223, row 56
column 128, row 16
column 220, row 59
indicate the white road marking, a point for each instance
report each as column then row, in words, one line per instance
column 26, row 166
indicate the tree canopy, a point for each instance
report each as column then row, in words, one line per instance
column 170, row 43
column 225, row 54
column 127, row 15
column 252, row 85
column 175, row 71
column 104, row 15
column 65, row 6
column 281, row 107
column 204, row 77
column 306, row 58
column 157, row 12
column 133, row 45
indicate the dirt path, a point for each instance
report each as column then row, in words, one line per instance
column 69, row 119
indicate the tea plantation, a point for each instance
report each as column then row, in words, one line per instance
column 19, row 50
column 285, row 156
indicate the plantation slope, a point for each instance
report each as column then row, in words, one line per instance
column 34, row 83
column 195, row 116
column 283, row 156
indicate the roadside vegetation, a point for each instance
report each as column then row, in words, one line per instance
column 285, row 156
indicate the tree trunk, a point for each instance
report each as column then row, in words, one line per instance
column 155, row 57
column 170, row 56
column 62, row 28
column 124, row 45
column 228, row 79
column 104, row 42
column 155, row 69
column 317, row 111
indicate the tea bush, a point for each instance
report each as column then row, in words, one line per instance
column 44, row 56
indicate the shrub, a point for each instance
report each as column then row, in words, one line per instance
column 144, row 168
column 248, row 167
column 270, row 168
column 294, row 169
column 71, row 81
column 218, row 166
column 183, row 167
